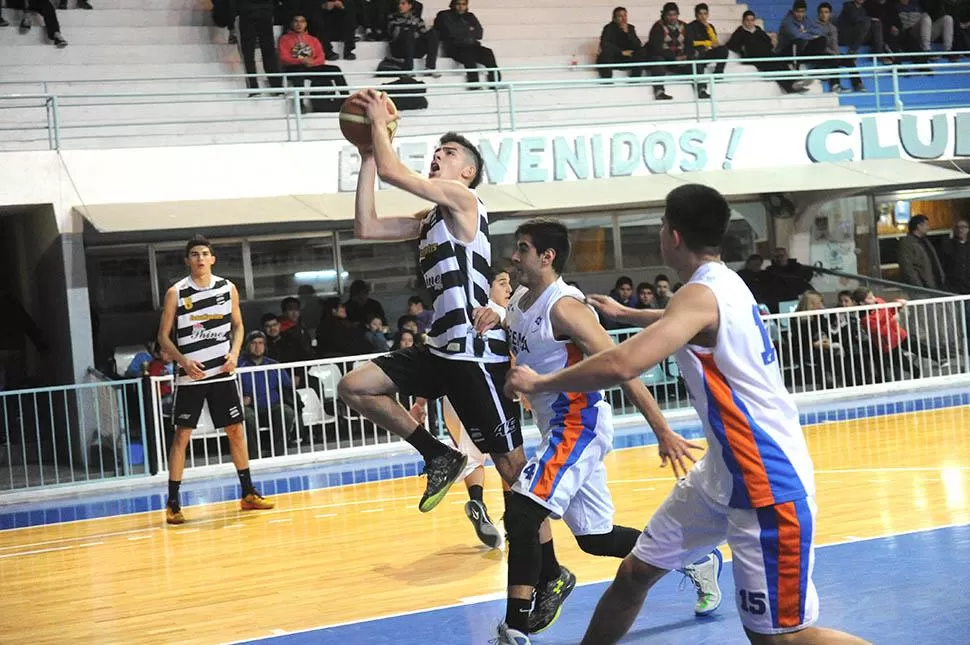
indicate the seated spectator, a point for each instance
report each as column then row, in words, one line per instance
column 291, row 324
column 337, row 336
column 256, row 25
column 798, row 36
column 661, row 289
column 360, row 306
column 894, row 39
column 334, row 21
column 423, row 315
column 623, row 291
column 81, row 4
column 703, row 38
column 856, row 349
column 461, row 34
column 785, row 278
column 285, row 347
column 46, row 9
column 267, row 397
column 411, row 38
column 751, row 275
column 3, row 21
column 403, row 339
column 409, row 322
column 750, row 41
column 300, row 53
column 645, row 297
column 668, row 42
column 619, row 43
column 832, row 49
column 961, row 32
column 374, row 333
column 374, row 14
column 925, row 27
column 812, row 344
column 857, row 28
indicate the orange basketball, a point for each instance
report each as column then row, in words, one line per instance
column 355, row 126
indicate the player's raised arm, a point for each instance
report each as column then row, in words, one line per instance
column 367, row 225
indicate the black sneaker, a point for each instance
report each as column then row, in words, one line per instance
column 662, row 96
column 3, row 22
column 59, row 41
column 84, row 4
column 25, row 25
column 62, row 5
column 478, row 516
column 350, row 56
column 549, row 599
column 442, row 472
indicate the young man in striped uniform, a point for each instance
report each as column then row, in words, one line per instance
column 755, row 486
column 203, row 311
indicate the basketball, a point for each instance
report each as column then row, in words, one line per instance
column 355, row 126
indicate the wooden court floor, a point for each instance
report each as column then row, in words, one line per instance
column 345, row 554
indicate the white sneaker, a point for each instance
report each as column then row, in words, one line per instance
column 507, row 636
column 704, row 576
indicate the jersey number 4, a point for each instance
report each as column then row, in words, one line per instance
column 768, row 356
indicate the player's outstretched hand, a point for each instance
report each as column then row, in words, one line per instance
column 374, row 104
column 605, row 305
column 484, row 319
column 521, row 379
column 674, row 449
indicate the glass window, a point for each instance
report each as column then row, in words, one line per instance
column 229, row 265
column 389, row 267
column 640, row 240
column 591, row 242
column 119, row 279
column 282, row 267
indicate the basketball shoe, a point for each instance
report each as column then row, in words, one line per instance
column 704, row 574
column 484, row 528
column 442, row 472
column 549, row 599
column 173, row 513
column 509, row 636
column 255, row 502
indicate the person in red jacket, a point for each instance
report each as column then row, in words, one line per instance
column 302, row 53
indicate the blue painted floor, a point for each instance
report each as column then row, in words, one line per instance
column 862, row 586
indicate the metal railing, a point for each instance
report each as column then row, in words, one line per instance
column 107, row 430
column 79, row 113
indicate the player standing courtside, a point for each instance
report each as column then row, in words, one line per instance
column 755, row 486
column 203, row 311
column 551, row 327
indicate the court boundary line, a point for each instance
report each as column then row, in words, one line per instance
column 259, row 639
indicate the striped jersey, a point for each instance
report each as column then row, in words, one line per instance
column 534, row 343
column 757, row 455
column 203, row 327
column 456, row 275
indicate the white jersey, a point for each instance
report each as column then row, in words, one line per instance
column 203, row 327
column 757, row 455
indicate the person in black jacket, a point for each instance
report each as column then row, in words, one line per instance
column 703, row 38
column 619, row 43
column 256, row 25
column 411, row 38
column 669, row 42
column 337, row 336
column 461, row 34
column 956, row 258
column 750, row 41
column 857, row 27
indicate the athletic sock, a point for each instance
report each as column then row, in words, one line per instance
column 517, row 614
column 173, row 493
column 246, row 481
column 428, row 446
column 475, row 492
column 550, row 565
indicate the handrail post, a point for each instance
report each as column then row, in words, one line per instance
column 297, row 111
column 713, row 99
column 897, row 100
column 55, row 121
column 511, row 106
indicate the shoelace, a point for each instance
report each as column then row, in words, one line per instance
column 689, row 575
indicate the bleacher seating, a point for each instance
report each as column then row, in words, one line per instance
column 129, row 39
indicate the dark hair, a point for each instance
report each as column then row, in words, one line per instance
column 622, row 280
column 198, row 240
column 846, row 293
column 754, row 256
column 661, row 277
column 824, row 5
column 369, row 319
column 396, row 343
column 677, row 286
column 644, row 285
column 359, row 286
column 471, row 150
column 494, row 271
column 288, row 301
column 916, row 221
column 331, row 305
column 266, row 318
column 699, row 214
column 416, row 300
column 748, row 13
column 617, row 10
column 859, row 294
column 547, row 234
column 670, row 6
column 799, row 4
column 405, row 319
column 701, row 7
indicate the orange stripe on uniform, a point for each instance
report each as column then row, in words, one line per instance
column 789, row 566
column 739, row 434
column 572, row 428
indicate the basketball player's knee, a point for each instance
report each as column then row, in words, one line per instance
column 522, row 519
column 235, row 432
column 182, row 437
column 602, row 544
column 638, row 575
column 349, row 388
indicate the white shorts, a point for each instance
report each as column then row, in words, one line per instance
column 567, row 474
column 460, row 437
column 772, row 549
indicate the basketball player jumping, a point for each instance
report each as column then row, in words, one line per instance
column 551, row 327
column 755, row 486
column 203, row 310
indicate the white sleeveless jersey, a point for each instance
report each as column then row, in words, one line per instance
column 456, row 275
column 757, row 455
column 203, row 327
column 534, row 343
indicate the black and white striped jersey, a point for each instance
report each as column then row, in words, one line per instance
column 456, row 275
column 203, row 327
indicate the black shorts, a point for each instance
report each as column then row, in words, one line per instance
column 222, row 397
column 474, row 389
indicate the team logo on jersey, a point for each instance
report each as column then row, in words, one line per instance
column 221, row 298
column 507, row 428
column 199, row 332
column 427, row 250
column 187, row 304
column 537, row 322
column 432, row 282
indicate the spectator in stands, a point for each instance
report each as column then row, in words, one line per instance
column 81, row 4
column 787, row 278
column 753, row 277
column 408, row 322
column 403, row 339
column 831, row 34
column 311, row 307
column 256, row 25
column 360, row 306
column 423, row 315
column 374, row 14
column 668, row 42
column 374, row 333
column 46, row 9
column 661, row 286
column 857, row 27
column 336, row 21
column 619, row 43
column 919, row 265
column 926, row 23
column 299, row 53
column 461, row 34
column 812, row 343
column 956, row 258
column 411, row 38
column 798, row 36
column 337, row 336
column 645, row 297
column 3, row 21
column 893, row 38
column 267, row 397
column 285, row 347
column 291, row 325
column 856, row 348
column 703, row 38
column 961, row 33
column 623, row 291
column 750, row 41
column 882, row 326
